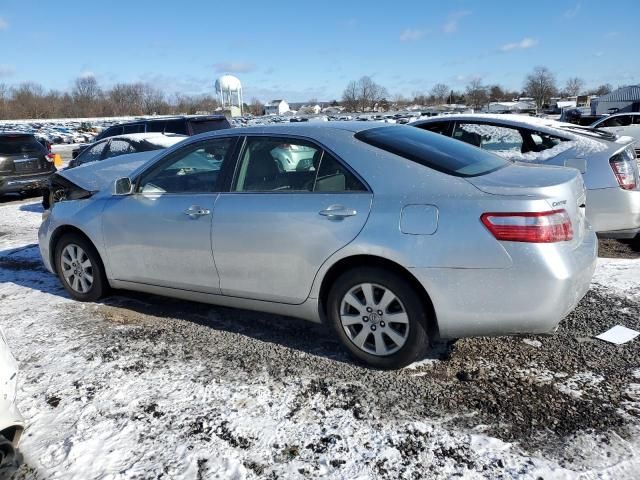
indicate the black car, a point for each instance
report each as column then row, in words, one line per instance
column 25, row 163
column 182, row 125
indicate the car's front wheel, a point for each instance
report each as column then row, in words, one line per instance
column 80, row 268
column 379, row 317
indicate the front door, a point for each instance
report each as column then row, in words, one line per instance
column 292, row 205
column 161, row 234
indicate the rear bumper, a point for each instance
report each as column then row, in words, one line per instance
column 614, row 212
column 543, row 286
column 24, row 182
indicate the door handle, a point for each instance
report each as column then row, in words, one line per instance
column 337, row 212
column 195, row 211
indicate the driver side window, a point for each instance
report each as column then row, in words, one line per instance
column 193, row 169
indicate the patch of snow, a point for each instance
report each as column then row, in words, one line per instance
column 578, row 383
column 620, row 275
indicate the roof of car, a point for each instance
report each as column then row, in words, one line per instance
column 308, row 127
column 172, row 117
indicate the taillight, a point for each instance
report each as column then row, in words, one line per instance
column 51, row 157
column 625, row 169
column 534, row 227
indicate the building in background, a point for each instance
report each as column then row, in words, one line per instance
column 625, row 99
column 276, row 107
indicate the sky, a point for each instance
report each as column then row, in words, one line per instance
column 301, row 50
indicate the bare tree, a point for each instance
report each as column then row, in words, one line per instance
column 601, row 90
column 85, row 94
column 369, row 93
column 574, row 86
column 350, row 97
column 440, row 92
column 540, row 85
column 476, row 93
column 256, row 107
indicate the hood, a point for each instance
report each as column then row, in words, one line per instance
column 96, row 176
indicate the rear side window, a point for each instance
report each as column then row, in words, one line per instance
column 118, row 147
column 176, row 126
column 18, row 144
column 436, row 127
column 209, row 125
column 156, row 126
column 112, row 132
column 91, row 154
column 434, row 151
column 489, row 137
column 136, row 128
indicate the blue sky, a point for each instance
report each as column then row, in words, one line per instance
column 303, row 49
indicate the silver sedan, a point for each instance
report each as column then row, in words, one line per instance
column 391, row 235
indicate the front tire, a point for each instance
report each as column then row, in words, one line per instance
column 379, row 317
column 80, row 269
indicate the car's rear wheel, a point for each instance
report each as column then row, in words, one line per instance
column 379, row 317
column 8, row 458
column 80, row 268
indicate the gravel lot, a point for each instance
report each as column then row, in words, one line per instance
column 146, row 387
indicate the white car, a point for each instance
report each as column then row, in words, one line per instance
column 11, row 421
column 622, row 124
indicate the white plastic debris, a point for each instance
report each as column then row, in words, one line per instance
column 618, row 335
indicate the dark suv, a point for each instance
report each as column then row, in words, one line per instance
column 25, row 164
column 183, row 125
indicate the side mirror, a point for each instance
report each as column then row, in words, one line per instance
column 123, row 186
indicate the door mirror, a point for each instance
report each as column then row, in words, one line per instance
column 123, row 186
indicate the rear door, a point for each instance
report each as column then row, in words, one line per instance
column 22, row 154
column 161, row 235
column 277, row 226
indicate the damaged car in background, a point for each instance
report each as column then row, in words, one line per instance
column 110, row 148
column 461, row 243
column 607, row 162
column 11, row 422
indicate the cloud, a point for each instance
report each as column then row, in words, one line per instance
column 3, row 24
column 6, row 70
column 521, row 45
column 572, row 12
column 234, row 67
column 412, row 34
column 451, row 25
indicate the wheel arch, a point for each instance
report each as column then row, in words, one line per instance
column 59, row 233
column 355, row 261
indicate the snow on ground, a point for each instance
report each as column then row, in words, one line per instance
column 143, row 387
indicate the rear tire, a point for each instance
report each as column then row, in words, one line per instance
column 379, row 317
column 80, row 268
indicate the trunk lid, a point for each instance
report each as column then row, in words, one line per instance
column 561, row 187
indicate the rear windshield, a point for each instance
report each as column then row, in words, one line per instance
column 17, row 144
column 433, row 150
column 209, row 125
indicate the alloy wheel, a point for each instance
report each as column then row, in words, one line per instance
column 374, row 319
column 76, row 268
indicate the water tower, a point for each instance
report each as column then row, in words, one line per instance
column 229, row 90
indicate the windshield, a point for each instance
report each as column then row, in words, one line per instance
column 433, row 150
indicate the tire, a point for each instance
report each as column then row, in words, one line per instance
column 379, row 317
column 9, row 459
column 80, row 268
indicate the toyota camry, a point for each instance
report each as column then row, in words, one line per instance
column 391, row 235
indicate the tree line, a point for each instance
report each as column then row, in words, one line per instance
column 540, row 84
column 87, row 99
